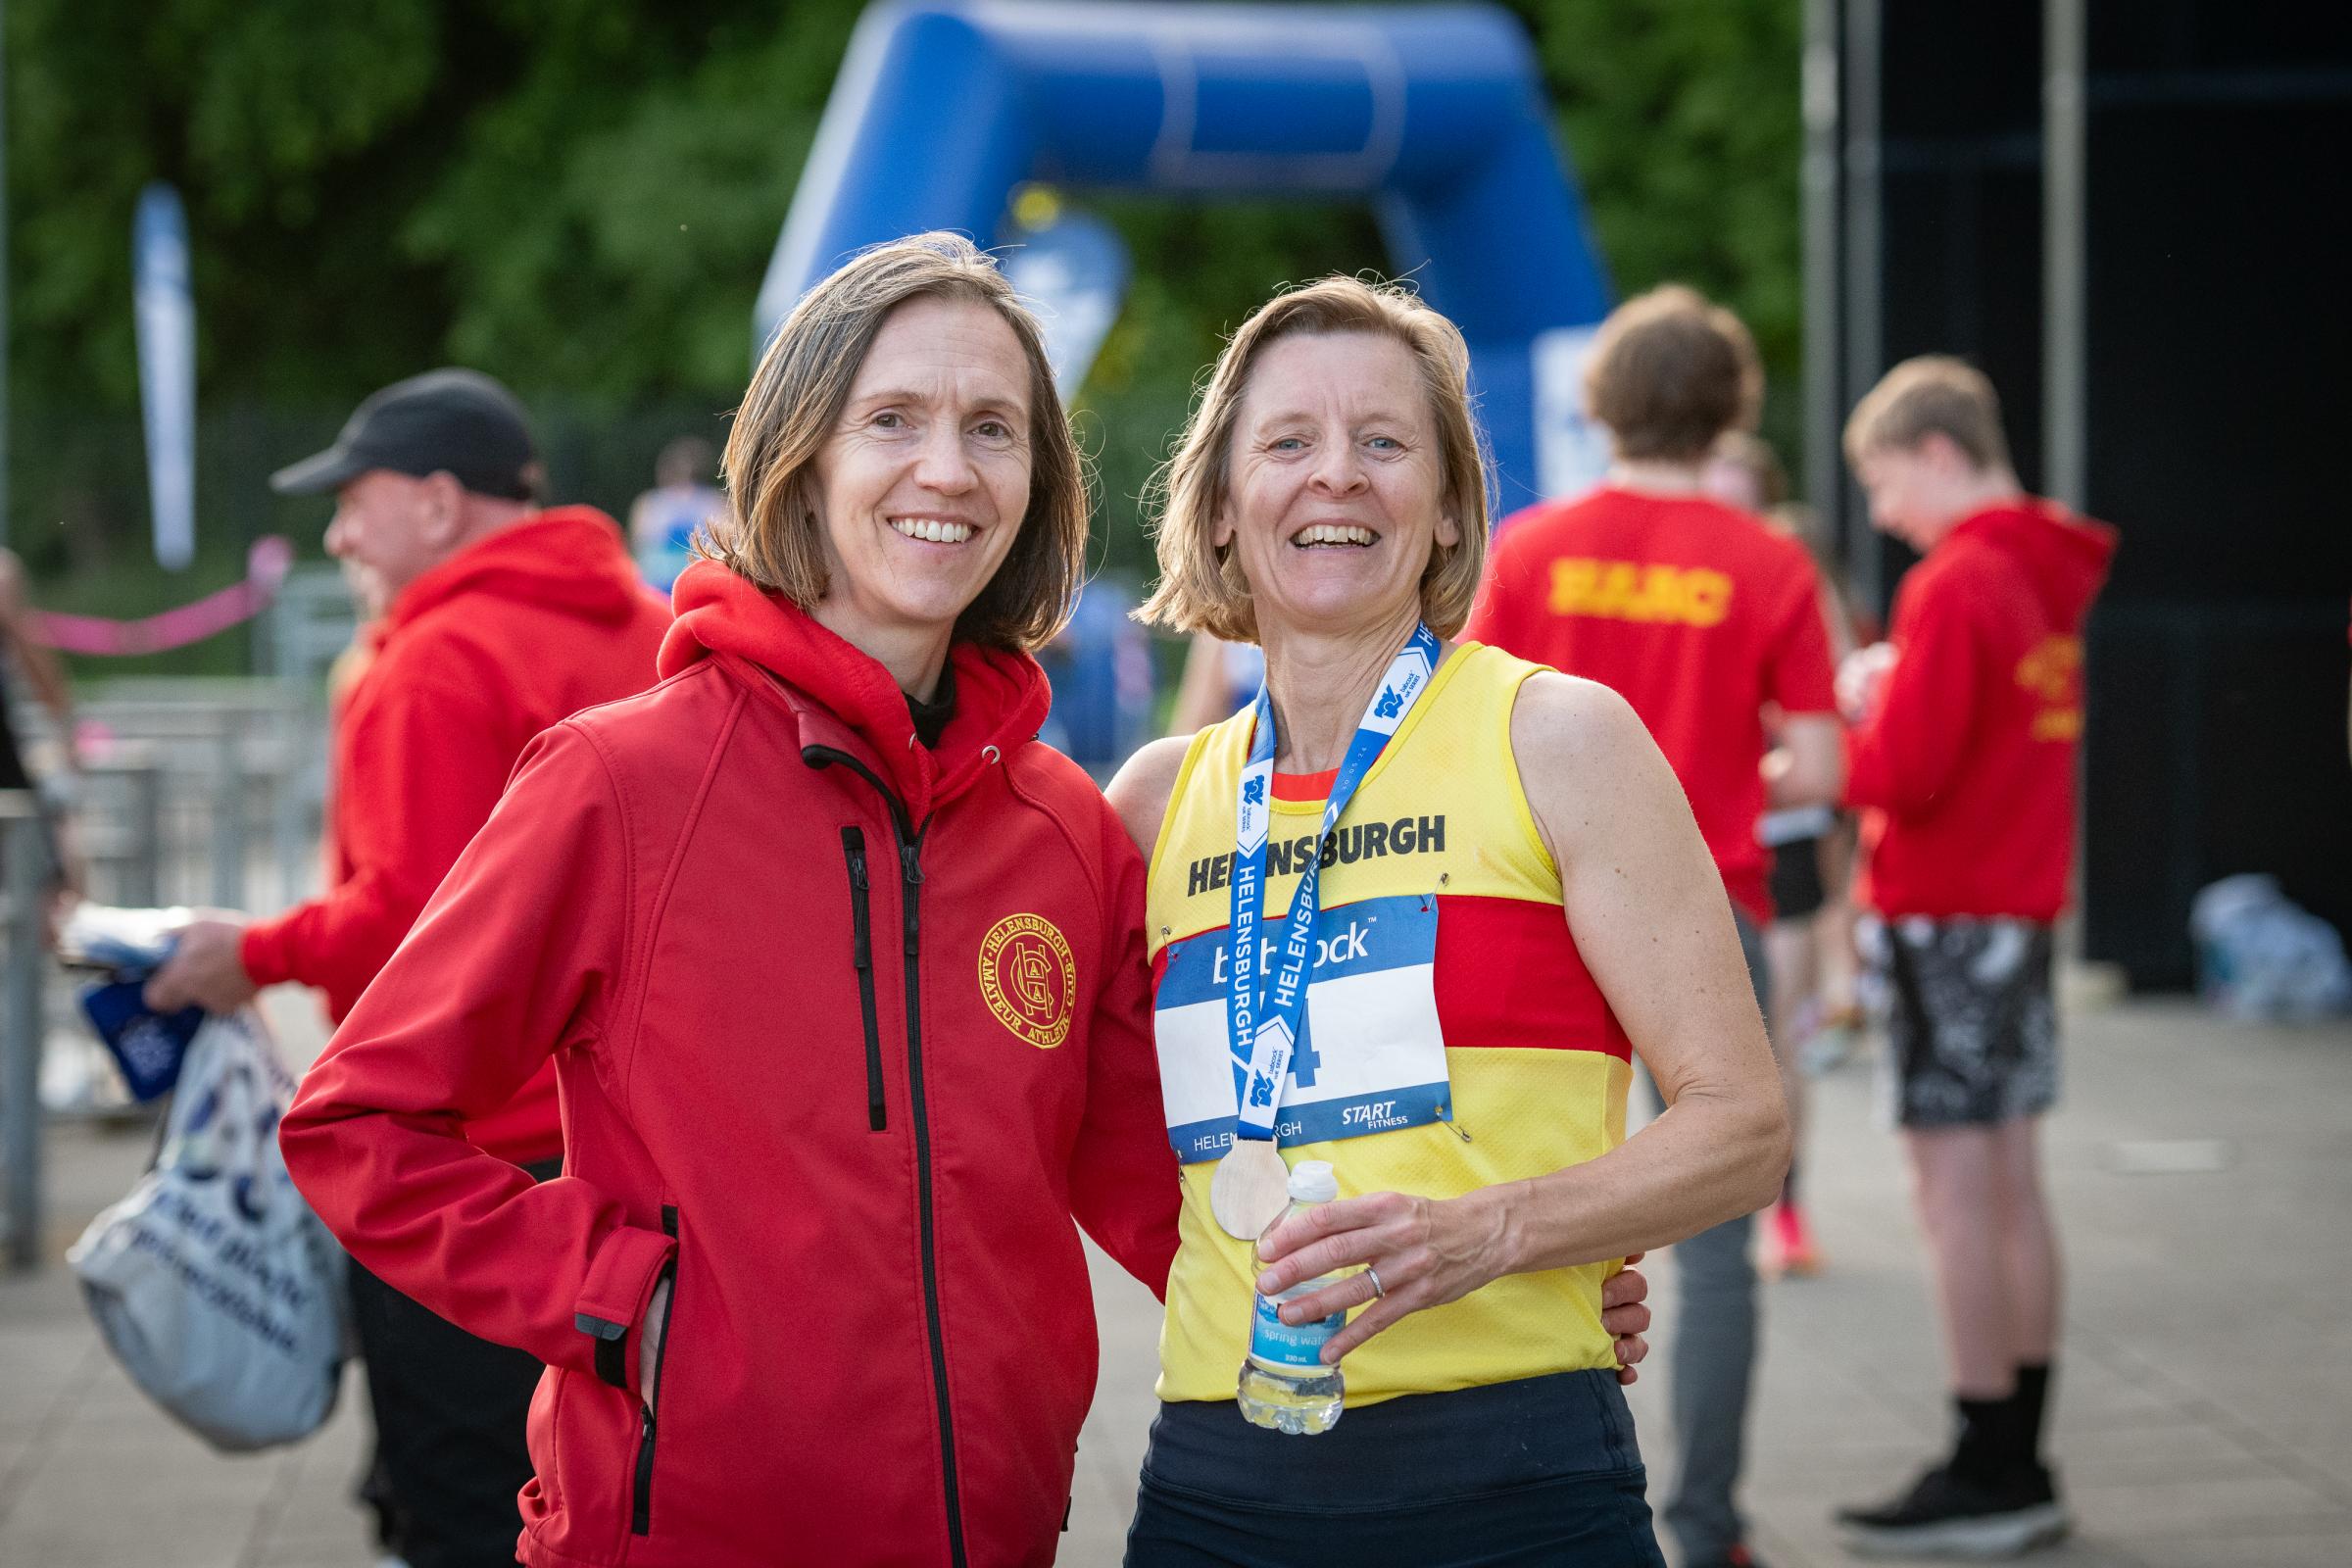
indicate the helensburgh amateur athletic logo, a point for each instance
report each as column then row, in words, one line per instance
column 1030, row 979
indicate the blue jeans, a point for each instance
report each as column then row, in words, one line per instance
column 1511, row 1475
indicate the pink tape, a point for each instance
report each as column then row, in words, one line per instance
column 265, row 567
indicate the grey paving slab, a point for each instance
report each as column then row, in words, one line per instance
column 2203, row 1420
column 1111, row 1447
column 2237, row 1507
column 2180, row 1451
column 2330, row 1549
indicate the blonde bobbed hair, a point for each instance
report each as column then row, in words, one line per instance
column 1201, row 586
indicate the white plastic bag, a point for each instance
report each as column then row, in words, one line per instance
column 2261, row 957
column 214, row 1284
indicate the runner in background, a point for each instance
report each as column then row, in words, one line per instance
column 1219, row 679
column 1808, row 947
column 1964, row 749
column 664, row 520
column 1700, row 616
column 1100, row 669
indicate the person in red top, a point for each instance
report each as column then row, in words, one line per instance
column 1700, row 616
column 497, row 619
column 842, row 976
column 1963, row 751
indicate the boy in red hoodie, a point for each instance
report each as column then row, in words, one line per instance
column 1963, row 758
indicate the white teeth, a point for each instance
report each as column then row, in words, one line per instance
column 932, row 529
column 1334, row 533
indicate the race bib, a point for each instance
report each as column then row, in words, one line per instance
column 1370, row 1057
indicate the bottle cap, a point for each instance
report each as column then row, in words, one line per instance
column 1311, row 1182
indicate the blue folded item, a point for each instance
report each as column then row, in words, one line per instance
column 120, row 948
column 147, row 1046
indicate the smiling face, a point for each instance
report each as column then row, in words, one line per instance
column 1335, row 494
column 924, row 480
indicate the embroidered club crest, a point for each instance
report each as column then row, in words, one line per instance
column 1029, row 979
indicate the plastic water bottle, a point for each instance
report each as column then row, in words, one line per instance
column 1285, row 1385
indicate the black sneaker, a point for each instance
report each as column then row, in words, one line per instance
column 1945, row 1514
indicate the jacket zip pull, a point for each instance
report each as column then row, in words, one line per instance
column 861, row 955
column 910, row 867
column 641, row 1508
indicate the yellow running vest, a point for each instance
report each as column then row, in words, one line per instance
column 1536, row 1064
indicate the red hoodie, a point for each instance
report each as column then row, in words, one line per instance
column 476, row 656
column 1968, row 763
column 847, row 1031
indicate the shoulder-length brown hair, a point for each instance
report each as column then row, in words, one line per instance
column 773, row 534
column 1201, row 586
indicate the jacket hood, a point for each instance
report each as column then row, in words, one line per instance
column 2065, row 556
column 1001, row 696
column 567, row 559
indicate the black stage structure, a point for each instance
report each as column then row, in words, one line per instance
column 2135, row 216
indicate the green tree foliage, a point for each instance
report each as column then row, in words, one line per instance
column 1683, row 121
column 580, row 196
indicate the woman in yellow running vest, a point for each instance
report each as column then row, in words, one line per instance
column 1412, row 912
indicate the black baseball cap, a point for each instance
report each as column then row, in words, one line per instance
column 461, row 422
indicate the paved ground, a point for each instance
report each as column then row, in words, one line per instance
column 2204, row 1414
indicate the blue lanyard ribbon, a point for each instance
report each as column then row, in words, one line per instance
column 1263, row 1023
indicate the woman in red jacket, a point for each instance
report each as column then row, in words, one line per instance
column 844, row 981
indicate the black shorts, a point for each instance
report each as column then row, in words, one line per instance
column 1972, row 1026
column 1796, row 886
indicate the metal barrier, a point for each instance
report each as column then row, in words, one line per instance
column 24, row 850
column 209, row 790
column 122, row 826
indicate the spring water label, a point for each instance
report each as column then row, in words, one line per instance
column 1298, row 1345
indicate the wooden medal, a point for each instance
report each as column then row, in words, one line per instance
column 1250, row 1187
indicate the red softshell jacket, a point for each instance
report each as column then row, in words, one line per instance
column 1968, row 761
column 846, row 1030
column 474, row 658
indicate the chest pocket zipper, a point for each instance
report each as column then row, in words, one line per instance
column 862, row 955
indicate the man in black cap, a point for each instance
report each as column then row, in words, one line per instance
column 497, row 619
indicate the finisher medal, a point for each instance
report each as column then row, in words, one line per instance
column 1250, row 1187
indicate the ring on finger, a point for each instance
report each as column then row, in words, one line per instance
column 1378, row 1289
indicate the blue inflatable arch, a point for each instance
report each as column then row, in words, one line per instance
column 1434, row 115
